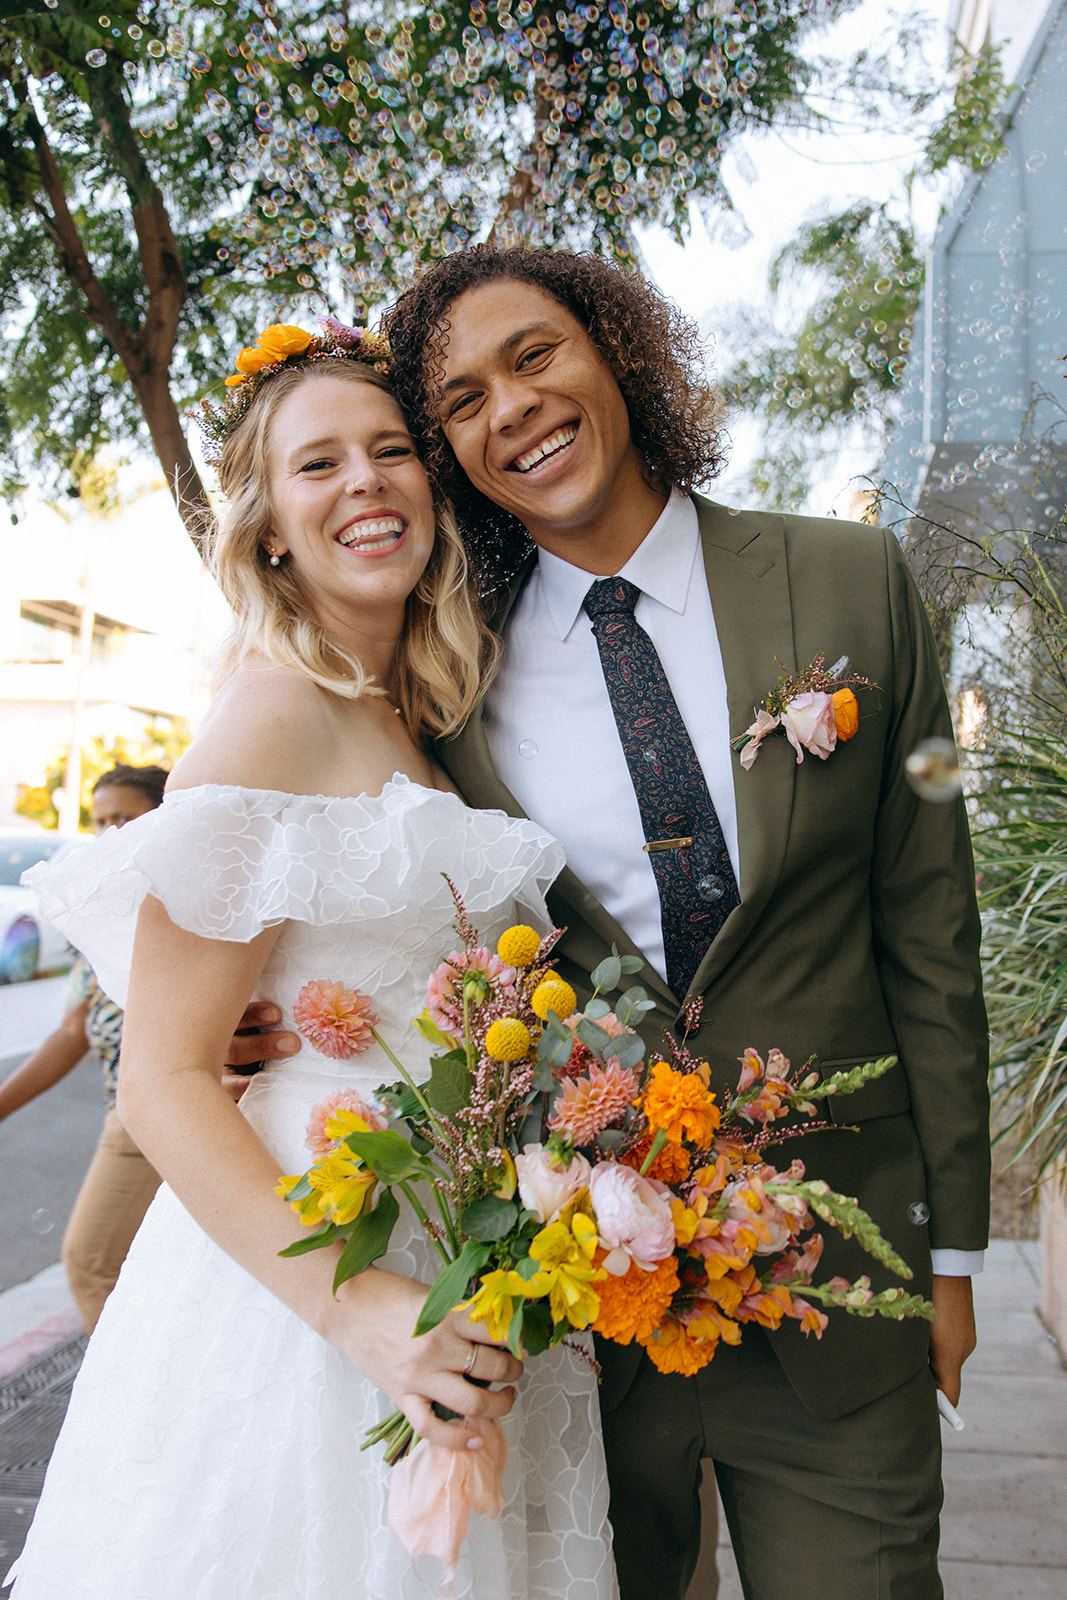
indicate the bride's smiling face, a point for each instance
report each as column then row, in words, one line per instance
column 351, row 505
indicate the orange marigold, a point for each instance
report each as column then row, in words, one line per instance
column 670, row 1166
column 679, row 1103
column 674, row 1349
column 633, row 1306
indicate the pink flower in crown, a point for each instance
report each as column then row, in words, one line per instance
column 809, row 724
column 588, row 1105
column 336, row 1020
column 318, row 1138
column 489, row 978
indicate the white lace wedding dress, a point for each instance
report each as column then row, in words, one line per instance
column 211, row 1450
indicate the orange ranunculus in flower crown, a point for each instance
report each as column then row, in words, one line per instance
column 572, row 1188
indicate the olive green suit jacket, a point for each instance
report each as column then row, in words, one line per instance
column 857, row 932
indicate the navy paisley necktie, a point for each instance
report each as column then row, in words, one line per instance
column 697, row 887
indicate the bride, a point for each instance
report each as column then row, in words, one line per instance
column 211, row 1448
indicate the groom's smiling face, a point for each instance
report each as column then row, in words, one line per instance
column 539, row 425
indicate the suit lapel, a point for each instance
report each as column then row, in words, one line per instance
column 748, row 580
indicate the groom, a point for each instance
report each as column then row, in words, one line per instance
column 561, row 404
column 559, row 401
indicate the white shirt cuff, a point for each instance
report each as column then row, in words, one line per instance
column 957, row 1263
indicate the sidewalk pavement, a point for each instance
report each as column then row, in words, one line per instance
column 1004, row 1530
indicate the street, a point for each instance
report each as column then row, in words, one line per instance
column 44, row 1148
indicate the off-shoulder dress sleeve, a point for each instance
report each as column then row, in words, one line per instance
column 227, row 862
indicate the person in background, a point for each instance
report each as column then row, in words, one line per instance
column 120, row 1182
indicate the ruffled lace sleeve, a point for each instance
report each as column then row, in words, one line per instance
column 226, row 863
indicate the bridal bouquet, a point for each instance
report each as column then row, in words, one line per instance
column 565, row 1187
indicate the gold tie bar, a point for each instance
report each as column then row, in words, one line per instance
column 666, row 844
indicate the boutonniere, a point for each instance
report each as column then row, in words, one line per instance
column 814, row 708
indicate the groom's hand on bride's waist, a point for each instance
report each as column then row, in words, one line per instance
column 257, row 1042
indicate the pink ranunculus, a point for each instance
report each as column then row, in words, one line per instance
column 546, row 1185
column 809, row 724
column 433, row 1491
column 633, row 1217
column 757, row 731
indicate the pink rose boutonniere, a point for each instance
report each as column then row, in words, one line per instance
column 815, row 708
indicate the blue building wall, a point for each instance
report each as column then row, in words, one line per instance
column 993, row 321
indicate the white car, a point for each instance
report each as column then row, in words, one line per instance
column 28, row 945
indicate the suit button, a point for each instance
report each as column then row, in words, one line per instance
column 919, row 1213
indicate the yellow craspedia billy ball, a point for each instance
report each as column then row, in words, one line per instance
column 554, row 994
column 518, row 946
column 507, row 1039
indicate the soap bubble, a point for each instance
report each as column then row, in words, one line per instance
column 933, row 770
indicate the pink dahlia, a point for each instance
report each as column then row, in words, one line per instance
column 318, row 1140
column 586, row 1106
column 444, row 992
column 336, row 1020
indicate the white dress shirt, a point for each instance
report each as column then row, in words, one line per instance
column 554, row 742
column 552, row 731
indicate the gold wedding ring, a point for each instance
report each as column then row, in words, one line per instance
column 468, row 1366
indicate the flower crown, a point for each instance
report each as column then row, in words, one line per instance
column 274, row 349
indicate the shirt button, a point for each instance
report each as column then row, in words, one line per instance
column 919, row 1213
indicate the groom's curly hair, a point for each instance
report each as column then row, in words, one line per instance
column 655, row 352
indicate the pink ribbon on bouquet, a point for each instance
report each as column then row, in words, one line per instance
column 433, row 1491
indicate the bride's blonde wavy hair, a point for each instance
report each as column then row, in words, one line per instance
column 445, row 654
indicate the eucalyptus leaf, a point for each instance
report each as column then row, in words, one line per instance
column 554, row 1050
column 630, row 1049
column 450, row 1287
column 598, row 1008
column 544, row 1082
column 368, row 1238
column 591, row 1034
column 632, row 1006
column 607, row 974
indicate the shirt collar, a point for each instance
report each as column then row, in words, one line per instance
column 661, row 567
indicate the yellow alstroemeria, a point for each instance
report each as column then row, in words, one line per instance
column 343, row 1122
column 565, row 1249
column 340, row 1189
column 495, row 1300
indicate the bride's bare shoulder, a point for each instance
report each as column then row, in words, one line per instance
column 267, row 728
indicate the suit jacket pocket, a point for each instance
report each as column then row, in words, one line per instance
column 887, row 1096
